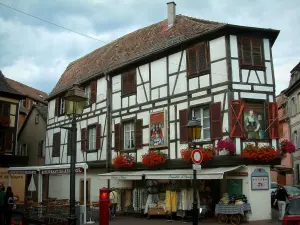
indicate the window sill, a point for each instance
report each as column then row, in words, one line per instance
column 202, row 73
column 129, row 150
column 129, row 94
column 261, row 68
column 91, row 151
column 257, row 140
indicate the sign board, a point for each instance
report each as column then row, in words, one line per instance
column 61, row 171
column 22, row 172
column 196, row 167
column 197, row 156
column 259, row 179
column 237, row 174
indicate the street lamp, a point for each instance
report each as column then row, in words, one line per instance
column 194, row 127
column 75, row 100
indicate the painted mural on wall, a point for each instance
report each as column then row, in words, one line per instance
column 17, row 182
column 157, row 130
column 254, row 117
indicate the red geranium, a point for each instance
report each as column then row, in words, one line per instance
column 153, row 158
column 263, row 153
column 287, row 146
column 207, row 152
column 123, row 160
column 226, row 144
column 186, row 154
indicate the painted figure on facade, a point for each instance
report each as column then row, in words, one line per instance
column 252, row 125
column 157, row 135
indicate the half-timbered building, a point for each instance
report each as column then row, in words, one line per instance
column 157, row 78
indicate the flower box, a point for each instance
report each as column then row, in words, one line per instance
column 123, row 160
column 208, row 152
column 153, row 158
column 263, row 153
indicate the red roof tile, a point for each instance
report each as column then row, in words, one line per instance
column 28, row 91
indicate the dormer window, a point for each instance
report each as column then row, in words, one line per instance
column 251, row 53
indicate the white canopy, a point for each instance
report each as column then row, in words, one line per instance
column 178, row 174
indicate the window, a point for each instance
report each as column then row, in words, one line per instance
column 62, row 106
column 56, row 145
column 295, row 138
column 23, row 150
column 37, row 117
column 129, row 135
column 4, row 109
column 298, row 97
column 203, row 115
column 87, row 92
column 41, row 149
column 197, row 60
column 251, row 53
column 92, row 138
column 293, row 107
column 129, row 82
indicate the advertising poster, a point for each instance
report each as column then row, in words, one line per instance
column 158, row 137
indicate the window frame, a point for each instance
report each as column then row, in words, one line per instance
column 131, row 137
column 244, row 65
column 128, row 79
column 202, row 107
column 62, row 104
column 41, row 149
column 89, row 129
column 88, row 93
column 2, row 104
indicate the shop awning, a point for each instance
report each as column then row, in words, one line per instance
column 178, row 174
column 187, row 174
column 122, row 175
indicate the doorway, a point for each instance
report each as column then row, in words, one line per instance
column 88, row 191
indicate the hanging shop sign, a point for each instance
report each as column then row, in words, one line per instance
column 158, row 129
column 259, row 179
column 22, row 172
column 61, row 171
column 4, row 121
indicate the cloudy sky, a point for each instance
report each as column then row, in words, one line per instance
column 36, row 53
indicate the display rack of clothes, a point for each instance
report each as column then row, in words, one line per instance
column 139, row 198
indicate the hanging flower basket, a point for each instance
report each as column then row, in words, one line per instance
column 264, row 153
column 186, row 154
column 123, row 160
column 226, row 145
column 153, row 158
column 287, row 146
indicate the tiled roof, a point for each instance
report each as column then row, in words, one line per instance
column 5, row 87
column 138, row 45
column 131, row 47
column 43, row 111
column 28, row 91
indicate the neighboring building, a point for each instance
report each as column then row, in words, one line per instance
column 283, row 174
column 9, row 116
column 31, row 140
column 293, row 94
column 33, row 96
column 181, row 67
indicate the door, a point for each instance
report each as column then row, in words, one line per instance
column 88, row 191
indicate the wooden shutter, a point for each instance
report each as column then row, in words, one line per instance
column 257, row 52
column 273, row 120
column 56, row 145
column 98, row 136
column 215, row 121
column 138, row 134
column 83, row 139
column 6, row 109
column 118, row 138
column 246, row 58
column 8, row 142
column 236, row 118
column 93, row 91
column 26, row 103
column 192, row 61
column 281, row 133
column 129, row 82
column 57, row 104
column 183, row 121
column 69, row 144
column 202, row 52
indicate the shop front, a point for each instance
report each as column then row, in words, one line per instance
column 169, row 192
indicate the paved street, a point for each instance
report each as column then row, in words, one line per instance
column 159, row 221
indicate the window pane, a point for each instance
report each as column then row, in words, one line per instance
column 127, row 127
column 197, row 113
column 206, row 133
column 127, row 137
column 206, row 112
column 206, row 122
column 127, row 144
column 132, row 126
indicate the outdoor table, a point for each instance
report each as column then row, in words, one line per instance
column 232, row 212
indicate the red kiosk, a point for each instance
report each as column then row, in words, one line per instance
column 104, row 206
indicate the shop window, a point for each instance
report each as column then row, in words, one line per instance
column 41, row 149
column 128, row 135
column 198, row 60
column 92, row 138
column 251, row 51
column 252, row 121
column 129, row 82
column 56, row 145
column 202, row 114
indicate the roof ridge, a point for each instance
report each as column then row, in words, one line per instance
column 200, row 20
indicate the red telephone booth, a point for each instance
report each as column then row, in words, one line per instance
column 104, row 206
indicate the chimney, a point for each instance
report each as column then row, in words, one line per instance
column 171, row 13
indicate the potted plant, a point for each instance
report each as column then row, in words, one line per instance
column 153, row 158
column 264, row 153
column 287, row 146
column 226, row 145
column 123, row 160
